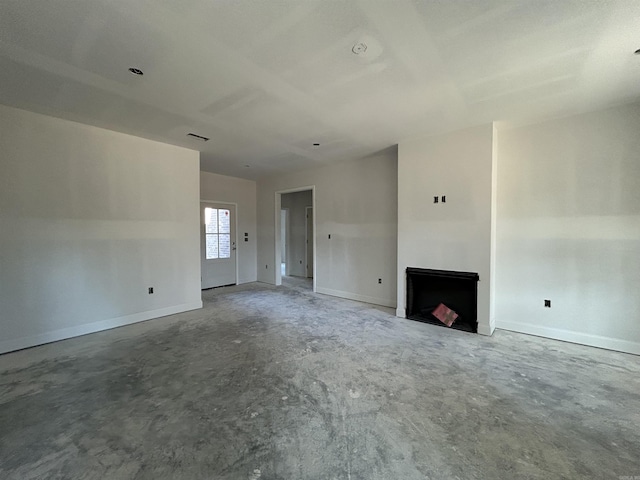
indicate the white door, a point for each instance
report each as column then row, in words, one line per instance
column 309, row 243
column 218, row 244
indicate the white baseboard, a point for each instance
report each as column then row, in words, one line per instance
column 70, row 332
column 487, row 329
column 354, row 296
column 573, row 337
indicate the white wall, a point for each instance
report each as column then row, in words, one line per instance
column 222, row 188
column 455, row 235
column 569, row 229
column 297, row 202
column 355, row 202
column 90, row 219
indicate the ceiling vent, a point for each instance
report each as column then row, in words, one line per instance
column 198, row 137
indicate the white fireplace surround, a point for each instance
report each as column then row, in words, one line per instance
column 459, row 234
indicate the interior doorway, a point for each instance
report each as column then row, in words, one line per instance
column 218, row 259
column 295, row 237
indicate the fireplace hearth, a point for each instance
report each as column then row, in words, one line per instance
column 458, row 291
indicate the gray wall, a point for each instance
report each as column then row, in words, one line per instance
column 90, row 219
column 569, row 229
column 545, row 211
column 297, row 202
column 356, row 202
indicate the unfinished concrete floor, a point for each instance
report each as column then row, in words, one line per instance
column 267, row 383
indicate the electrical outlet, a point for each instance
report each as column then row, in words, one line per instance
column 435, row 199
column 547, row 303
column 444, row 198
column 379, row 280
column 150, row 290
column 329, row 236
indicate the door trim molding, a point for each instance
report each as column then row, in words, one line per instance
column 236, row 230
column 306, row 244
column 287, row 230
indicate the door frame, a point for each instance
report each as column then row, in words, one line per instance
column 287, row 229
column 306, row 243
column 234, row 239
column 278, row 245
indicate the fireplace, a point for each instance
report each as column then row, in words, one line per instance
column 457, row 291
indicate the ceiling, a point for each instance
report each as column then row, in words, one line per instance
column 266, row 79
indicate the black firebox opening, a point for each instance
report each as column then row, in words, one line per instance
column 427, row 288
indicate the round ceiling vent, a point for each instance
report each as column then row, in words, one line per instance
column 359, row 48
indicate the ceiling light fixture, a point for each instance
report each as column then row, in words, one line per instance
column 359, row 48
column 136, row 71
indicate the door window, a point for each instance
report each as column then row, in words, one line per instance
column 217, row 228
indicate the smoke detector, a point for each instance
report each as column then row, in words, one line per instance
column 359, row 48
